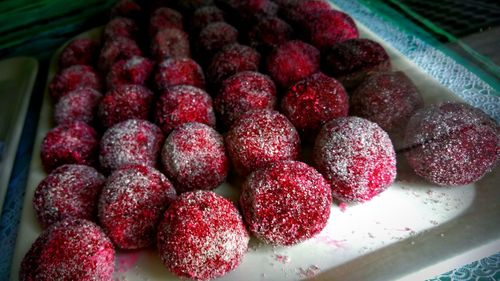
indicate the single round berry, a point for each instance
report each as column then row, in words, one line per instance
column 388, row 99
column 130, row 142
column 163, row 18
column 330, row 27
column 80, row 51
column 300, row 12
column 77, row 105
column 181, row 71
column 351, row 61
column 292, row 62
column 73, row 78
column 251, row 11
column 231, row 60
column 121, row 27
column 194, row 157
column 214, row 37
column 182, row 104
column 72, row 249
column 131, row 205
column 269, row 33
column 69, row 191
column 135, row 70
column 118, row 48
column 202, row 236
column 204, row 16
column 170, row 43
column 286, row 202
column 242, row 92
column 73, row 143
column 259, row 138
column 125, row 102
column 452, row 144
column 313, row 101
column 357, row 157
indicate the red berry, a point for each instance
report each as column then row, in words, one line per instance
column 132, row 203
column 135, row 70
column 119, row 48
column 259, row 138
column 388, row 99
column 182, row 104
column 163, row 18
column 251, row 11
column 292, row 62
column 170, row 43
column 81, row 51
column 286, row 202
column 73, row 78
column 300, row 12
column 130, row 142
column 77, row 105
column 357, row 157
column 214, row 37
column 121, row 27
column 201, row 236
column 182, row 71
column 69, row 191
column 204, row 16
column 125, row 102
column 269, row 33
column 353, row 60
column 313, row 101
column 242, row 92
column 73, row 143
column 126, row 8
column 72, row 249
column 330, row 27
column 452, row 144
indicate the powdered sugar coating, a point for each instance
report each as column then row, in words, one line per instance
column 214, row 37
column 179, row 71
column 194, row 157
column 286, row 203
column 121, row 27
column 80, row 51
column 292, row 62
column 231, row 60
column 132, row 203
column 72, row 143
column 170, row 43
column 357, row 157
column 330, row 27
column 115, row 49
column 452, row 143
column 388, row 99
column 242, row 92
column 73, row 78
column 300, row 12
column 72, row 249
column 77, row 105
column 135, row 70
column 163, row 18
column 182, row 104
column 259, row 138
column 202, row 236
column 313, row 101
column 125, row 102
column 70, row 191
column 130, row 142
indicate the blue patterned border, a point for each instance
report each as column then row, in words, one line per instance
column 487, row 269
column 432, row 61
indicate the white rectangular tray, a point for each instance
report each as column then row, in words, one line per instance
column 413, row 231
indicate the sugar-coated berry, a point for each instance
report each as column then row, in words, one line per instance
column 73, row 78
column 71, row 143
column 286, row 202
column 180, row 71
column 182, row 104
column 452, row 144
column 115, row 49
column 135, row 70
column 121, row 27
column 259, row 138
column 77, row 105
column 130, row 142
column 357, row 158
column 204, row 16
column 72, row 249
column 202, row 236
column 125, row 102
column 131, row 205
column 170, row 43
column 242, row 92
column 300, row 12
column 292, row 62
column 214, row 37
column 81, row 51
column 388, row 99
column 313, row 101
column 163, row 18
column 194, row 157
column 269, row 33
column 330, row 27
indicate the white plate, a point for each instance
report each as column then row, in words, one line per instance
column 413, row 230
column 17, row 77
